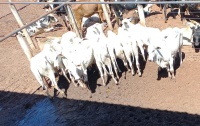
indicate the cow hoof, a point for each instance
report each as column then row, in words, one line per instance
column 64, row 95
column 104, row 84
column 117, row 83
column 76, row 84
column 83, row 85
column 50, row 97
column 159, row 69
column 133, row 73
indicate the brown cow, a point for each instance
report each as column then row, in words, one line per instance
column 86, row 10
column 79, row 10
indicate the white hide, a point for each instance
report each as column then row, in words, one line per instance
column 164, row 55
column 44, row 65
column 140, row 33
column 101, row 51
column 130, row 48
column 115, row 46
column 79, row 54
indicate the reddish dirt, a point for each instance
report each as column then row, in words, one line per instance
column 135, row 101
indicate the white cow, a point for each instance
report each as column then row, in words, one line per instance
column 140, row 33
column 101, row 51
column 43, row 65
column 164, row 54
column 130, row 49
column 117, row 51
column 79, row 54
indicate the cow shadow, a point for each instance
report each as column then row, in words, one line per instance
column 63, row 84
column 93, row 76
column 162, row 73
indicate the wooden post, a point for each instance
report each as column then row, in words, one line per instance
column 73, row 21
column 21, row 24
column 106, row 15
column 141, row 15
column 24, row 46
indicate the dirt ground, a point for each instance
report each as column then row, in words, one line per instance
column 140, row 101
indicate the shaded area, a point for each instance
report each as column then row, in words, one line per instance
column 39, row 110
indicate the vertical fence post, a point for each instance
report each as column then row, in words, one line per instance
column 24, row 46
column 141, row 15
column 21, row 24
column 73, row 21
column 106, row 15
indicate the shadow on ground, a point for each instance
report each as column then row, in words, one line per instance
column 30, row 109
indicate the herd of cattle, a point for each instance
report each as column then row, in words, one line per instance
column 74, row 56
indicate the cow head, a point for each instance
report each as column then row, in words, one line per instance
column 152, row 51
column 51, row 18
column 148, row 9
column 126, row 22
column 196, row 36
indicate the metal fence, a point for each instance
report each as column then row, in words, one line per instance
column 63, row 3
column 124, row 2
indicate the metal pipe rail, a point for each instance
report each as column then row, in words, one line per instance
column 19, row 29
column 126, row 2
column 63, row 3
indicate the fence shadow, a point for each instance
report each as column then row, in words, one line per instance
column 29, row 109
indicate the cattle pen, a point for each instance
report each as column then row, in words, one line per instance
column 146, row 100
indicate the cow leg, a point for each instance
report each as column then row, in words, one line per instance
column 171, row 62
column 105, row 72
column 131, row 65
column 41, row 80
column 99, row 65
column 79, row 22
column 116, row 67
column 85, row 77
column 138, row 65
column 82, row 84
column 173, row 13
column 73, row 71
column 168, row 71
column 125, row 64
column 73, row 80
column 136, row 56
column 128, row 57
column 100, row 12
column 64, row 73
column 140, row 45
column 165, row 13
column 180, row 56
column 53, row 80
column 110, row 71
column 124, row 59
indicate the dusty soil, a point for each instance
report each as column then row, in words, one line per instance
column 144, row 100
